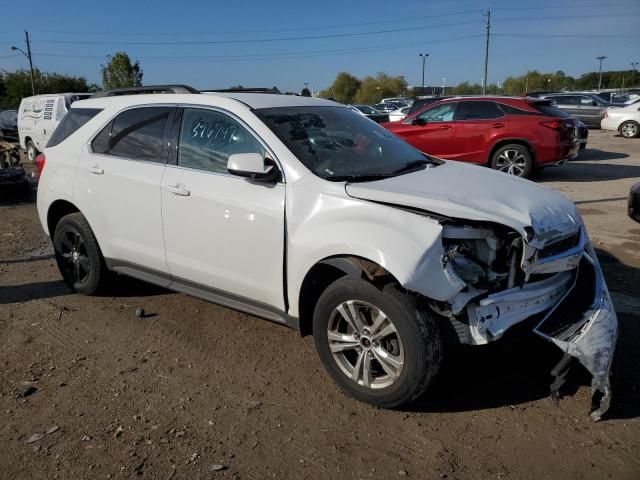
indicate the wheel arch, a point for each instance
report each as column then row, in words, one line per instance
column 328, row 270
column 56, row 211
column 507, row 141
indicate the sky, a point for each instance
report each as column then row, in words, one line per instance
column 213, row 44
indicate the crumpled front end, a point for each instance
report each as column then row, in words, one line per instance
column 553, row 279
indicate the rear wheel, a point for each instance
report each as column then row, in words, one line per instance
column 630, row 129
column 78, row 255
column 513, row 159
column 32, row 151
column 376, row 345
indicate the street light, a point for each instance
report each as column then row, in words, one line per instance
column 28, row 55
column 424, row 60
column 601, row 58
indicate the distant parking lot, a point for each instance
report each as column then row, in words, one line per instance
column 195, row 390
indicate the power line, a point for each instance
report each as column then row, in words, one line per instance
column 566, row 35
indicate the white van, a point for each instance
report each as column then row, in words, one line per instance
column 38, row 117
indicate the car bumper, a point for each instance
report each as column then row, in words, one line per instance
column 577, row 316
column 609, row 123
column 12, row 176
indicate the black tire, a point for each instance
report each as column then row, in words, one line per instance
column 514, row 159
column 74, row 235
column 32, row 151
column 630, row 129
column 418, row 338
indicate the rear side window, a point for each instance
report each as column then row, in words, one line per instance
column 478, row 111
column 137, row 134
column 72, row 121
column 549, row 111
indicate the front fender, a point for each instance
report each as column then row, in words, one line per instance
column 406, row 244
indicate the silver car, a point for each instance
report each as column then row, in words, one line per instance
column 587, row 107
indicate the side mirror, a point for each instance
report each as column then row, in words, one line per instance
column 418, row 121
column 634, row 203
column 253, row 166
column 594, row 103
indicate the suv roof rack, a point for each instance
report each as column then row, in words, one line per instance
column 242, row 90
column 146, row 89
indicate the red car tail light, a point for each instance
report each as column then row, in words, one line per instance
column 554, row 124
column 39, row 161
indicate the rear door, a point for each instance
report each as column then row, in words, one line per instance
column 432, row 131
column 589, row 113
column 477, row 123
column 120, row 179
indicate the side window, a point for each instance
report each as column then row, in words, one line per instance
column 586, row 101
column 441, row 113
column 71, row 122
column 565, row 100
column 208, row 138
column 137, row 134
column 477, row 111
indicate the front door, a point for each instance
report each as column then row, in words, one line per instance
column 222, row 232
column 432, row 131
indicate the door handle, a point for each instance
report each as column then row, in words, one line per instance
column 176, row 190
column 497, row 125
column 444, row 127
column 96, row 170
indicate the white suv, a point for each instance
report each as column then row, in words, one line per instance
column 305, row 213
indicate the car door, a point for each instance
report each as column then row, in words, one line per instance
column 432, row 131
column 589, row 113
column 567, row 103
column 119, row 178
column 224, row 234
column 477, row 123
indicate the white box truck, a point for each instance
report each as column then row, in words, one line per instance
column 38, row 117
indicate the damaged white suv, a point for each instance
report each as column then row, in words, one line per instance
column 303, row 212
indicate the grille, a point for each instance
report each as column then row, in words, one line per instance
column 559, row 246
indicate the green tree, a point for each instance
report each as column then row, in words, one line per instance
column 343, row 88
column 16, row 85
column 120, row 72
column 374, row 89
column 305, row 92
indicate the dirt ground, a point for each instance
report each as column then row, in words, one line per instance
column 197, row 391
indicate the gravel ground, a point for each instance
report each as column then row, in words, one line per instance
column 197, row 391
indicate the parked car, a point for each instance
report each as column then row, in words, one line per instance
column 634, row 203
column 582, row 134
column 12, row 174
column 38, row 117
column 625, row 120
column 303, row 212
column 587, row 107
column 9, row 125
column 516, row 135
column 614, row 98
column 371, row 113
column 387, row 107
column 420, row 103
column 398, row 100
column 398, row 114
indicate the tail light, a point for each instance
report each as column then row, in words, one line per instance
column 554, row 124
column 39, row 161
column 605, row 114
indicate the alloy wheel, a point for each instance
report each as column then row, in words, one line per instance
column 629, row 130
column 512, row 162
column 365, row 344
column 31, row 152
column 75, row 259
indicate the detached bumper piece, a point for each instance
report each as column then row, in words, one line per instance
column 583, row 324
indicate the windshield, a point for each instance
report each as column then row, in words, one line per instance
column 336, row 143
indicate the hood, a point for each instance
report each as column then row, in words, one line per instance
column 470, row 192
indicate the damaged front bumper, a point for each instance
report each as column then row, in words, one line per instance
column 576, row 314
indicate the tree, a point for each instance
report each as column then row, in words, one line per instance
column 343, row 88
column 120, row 72
column 305, row 92
column 16, row 85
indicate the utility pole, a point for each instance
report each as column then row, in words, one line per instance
column 424, row 61
column 486, row 53
column 601, row 58
column 28, row 55
column 444, row 84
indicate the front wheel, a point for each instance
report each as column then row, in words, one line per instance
column 376, row 345
column 514, row 159
column 32, row 151
column 630, row 129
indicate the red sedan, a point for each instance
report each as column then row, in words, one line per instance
column 516, row 135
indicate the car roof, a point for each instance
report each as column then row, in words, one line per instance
column 251, row 100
